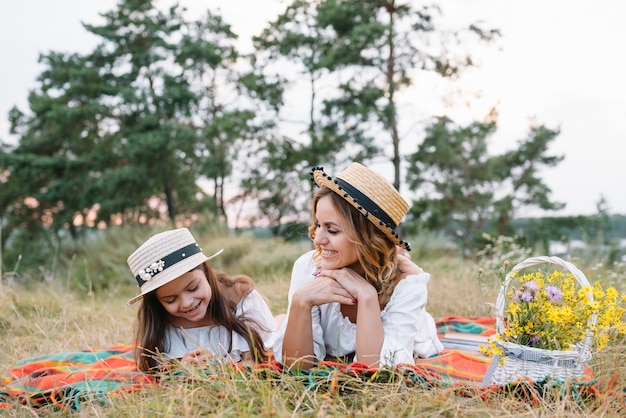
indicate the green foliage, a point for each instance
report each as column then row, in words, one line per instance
column 28, row 251
column 453, row 170
column 465, row 191
column 379, row 44
column 125, row 131
column 298, row 38
column 294, row 231
column 372, row 47
column 277, row 190
column 52, row 161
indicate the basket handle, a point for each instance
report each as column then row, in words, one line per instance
column 529, row 262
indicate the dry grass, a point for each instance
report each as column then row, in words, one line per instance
column 45, row 317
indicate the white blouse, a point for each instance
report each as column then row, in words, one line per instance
column 216, row 338
column 408, row 328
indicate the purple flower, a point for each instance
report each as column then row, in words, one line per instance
column 554, row 293
column 531, row 285
column 526, row 296
column 534, row 339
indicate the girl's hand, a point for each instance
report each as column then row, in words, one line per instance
column 198, row 357
column 323, row 290
column 350, row 281
column 247, row 359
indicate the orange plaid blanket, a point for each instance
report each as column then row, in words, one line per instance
column 64, row 380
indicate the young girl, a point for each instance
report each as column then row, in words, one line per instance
column 356, row 296
column 190, row 312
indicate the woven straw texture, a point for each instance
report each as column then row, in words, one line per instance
column 377, row 188
column 156, row 248
column 521, row 361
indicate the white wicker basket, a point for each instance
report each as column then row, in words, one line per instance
column 520, row 361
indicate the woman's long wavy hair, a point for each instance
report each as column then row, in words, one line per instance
column 152, row 320
column 377, row 255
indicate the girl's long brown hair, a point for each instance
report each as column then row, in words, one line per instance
column 376, row 253
column 152, row 317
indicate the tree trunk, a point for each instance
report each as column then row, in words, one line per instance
column 169, row 199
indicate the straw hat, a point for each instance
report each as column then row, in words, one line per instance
column 371, row 194
column 163, row 258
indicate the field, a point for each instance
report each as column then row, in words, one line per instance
column 80, row 303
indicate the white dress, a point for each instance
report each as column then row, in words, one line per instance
column 408, row 328
column 216, row 338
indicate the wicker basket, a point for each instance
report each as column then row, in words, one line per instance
column 520, row 361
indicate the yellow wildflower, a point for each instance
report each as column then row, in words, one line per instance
column 553, row 311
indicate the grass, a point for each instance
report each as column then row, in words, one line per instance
column 82, row 305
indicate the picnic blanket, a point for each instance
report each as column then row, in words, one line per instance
column 66, row 379
column 69, row 378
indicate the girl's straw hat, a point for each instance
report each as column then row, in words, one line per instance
column 371, row 194
column 163, row 258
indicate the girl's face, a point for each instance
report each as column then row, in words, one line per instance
column 330, row 235
column 187, row 299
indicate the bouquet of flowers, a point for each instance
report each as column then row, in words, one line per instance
column 548, row 321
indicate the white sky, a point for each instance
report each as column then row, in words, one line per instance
column 561, row 62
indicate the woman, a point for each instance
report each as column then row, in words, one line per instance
column 356, row 297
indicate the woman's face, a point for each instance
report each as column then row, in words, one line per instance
column 186, row 299
column 333, row 238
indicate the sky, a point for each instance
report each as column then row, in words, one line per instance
column 558, row 63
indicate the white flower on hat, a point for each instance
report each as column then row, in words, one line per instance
column 147, row 273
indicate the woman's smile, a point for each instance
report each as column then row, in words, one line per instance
column 333, row 236
column 328, row 253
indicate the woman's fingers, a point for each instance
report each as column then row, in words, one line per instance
column 332, row 291
column 348, row 279
column 324, row 290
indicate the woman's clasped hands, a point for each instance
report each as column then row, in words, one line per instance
column 343, row 286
